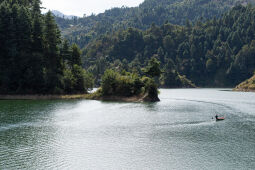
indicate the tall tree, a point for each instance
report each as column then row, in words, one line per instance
column 36, row 7
column 66, row 53
column 54, row 63
column 38, row 60
column 76, row 55
column 24, row 58
column 5, row 60
column 153, row 68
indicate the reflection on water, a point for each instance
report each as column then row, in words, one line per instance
column 176, row 133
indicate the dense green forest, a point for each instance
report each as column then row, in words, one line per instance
column 83, row 30
column 33, row 58
column 216, row 52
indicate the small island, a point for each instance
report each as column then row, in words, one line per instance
column 125, row 87
column 130, row 87
column 247, row 85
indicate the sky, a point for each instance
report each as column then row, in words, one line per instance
column 80, row 7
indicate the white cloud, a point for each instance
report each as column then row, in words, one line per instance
column 80, row 7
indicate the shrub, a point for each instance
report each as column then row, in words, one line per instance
column 124, row 84
column 109, row 82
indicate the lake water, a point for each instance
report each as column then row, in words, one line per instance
column 176, row 133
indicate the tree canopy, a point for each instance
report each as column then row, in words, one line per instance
column 33, row 57
column 181, row 12
column 216, row 52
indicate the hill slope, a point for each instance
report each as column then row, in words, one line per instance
column 61, row 15
column 248, row 85
column 82, row 30
column 216, row 53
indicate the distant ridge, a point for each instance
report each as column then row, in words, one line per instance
column 57, row 13
column 86, row 29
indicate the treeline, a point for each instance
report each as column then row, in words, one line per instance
column 83, row 30
column 33, row 58
column 217, row 52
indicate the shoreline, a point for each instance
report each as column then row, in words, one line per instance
column 42, row 97
column 139, row 98
column 91, row 96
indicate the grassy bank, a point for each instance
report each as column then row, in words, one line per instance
column 247, row 85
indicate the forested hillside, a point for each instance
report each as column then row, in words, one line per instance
column 33, row 58
column 82, row 30
column 217, row 52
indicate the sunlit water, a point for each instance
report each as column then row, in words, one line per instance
column 176, row 133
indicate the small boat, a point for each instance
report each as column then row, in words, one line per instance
column 220, row 118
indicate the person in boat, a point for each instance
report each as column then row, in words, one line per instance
column 216, row 117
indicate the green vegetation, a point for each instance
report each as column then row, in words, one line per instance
column 247, row 85
column 83, row 30
column 33, row 58
column 215, row 53
column 153, row 68
column 172, row 79
column 126, row 84
column 125, row 49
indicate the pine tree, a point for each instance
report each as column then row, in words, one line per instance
column 54, row 63
column 38, row 60
column 12, row 47
column 36, row 7
column 76, row 55
column 24, row 57
column 66, row 53
column 5, row 61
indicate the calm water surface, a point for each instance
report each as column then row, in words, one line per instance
column 176, row 133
